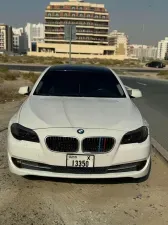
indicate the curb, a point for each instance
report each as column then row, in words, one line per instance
column 163, row 152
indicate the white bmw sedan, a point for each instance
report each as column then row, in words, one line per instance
column 79, row 122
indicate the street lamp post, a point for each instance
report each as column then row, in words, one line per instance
column 143, row 27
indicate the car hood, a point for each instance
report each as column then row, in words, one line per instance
column 60, row 112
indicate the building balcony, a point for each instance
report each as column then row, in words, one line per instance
column 83, row 31
column 78, row 38
column 77, row 18
column 93, row 31
column 77, row 23
column 92, row 34
column 78, row 15
column 54, row 38
column 69, row 18
column 75, row 11
column 102, row 27
column 53, row 25
column 79, row 42
column 54, row 31
column 75, row 8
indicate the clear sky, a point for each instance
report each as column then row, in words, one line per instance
column 126, row 15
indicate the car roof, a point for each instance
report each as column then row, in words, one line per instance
column 87, row 68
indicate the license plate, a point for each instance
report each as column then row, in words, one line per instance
column 80, row 161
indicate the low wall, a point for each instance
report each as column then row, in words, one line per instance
column 77, row 56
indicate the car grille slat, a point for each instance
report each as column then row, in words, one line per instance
column 62, row 144
column 98, row 144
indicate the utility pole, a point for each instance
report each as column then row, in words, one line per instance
column 69, row 35
column 143, row 27
column 70, row 44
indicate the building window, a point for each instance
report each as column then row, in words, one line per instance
column 88, row 15
column 81, row 15
column 81, row 8
column 73, row 8
column 103, row 17
column 96, row 16
column 66, row 14
column 73, row 15
column 57, row 14
column 49, row 14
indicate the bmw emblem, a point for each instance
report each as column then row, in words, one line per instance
column 80, row 131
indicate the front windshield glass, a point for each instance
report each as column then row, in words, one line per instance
column 80, row 84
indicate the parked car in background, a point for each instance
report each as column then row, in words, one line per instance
column 156, row 64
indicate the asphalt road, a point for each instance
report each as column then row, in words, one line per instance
column 153, row 105
column 40, row 68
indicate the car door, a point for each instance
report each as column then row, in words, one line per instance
column 156, row 64
column 152, row 64
column 149, row 64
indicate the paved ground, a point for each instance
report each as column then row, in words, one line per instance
column 68, row 202
column 153, row 105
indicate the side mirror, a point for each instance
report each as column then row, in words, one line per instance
column 24, row 90
column 134, row 93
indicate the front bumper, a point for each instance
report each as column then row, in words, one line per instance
column 119, row 162
column 132, row 170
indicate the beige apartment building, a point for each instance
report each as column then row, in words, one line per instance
column 120, row 40
column 6, row 38
column 91, row 20
column 92, row 28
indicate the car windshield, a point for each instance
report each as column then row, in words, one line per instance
column 80, row 84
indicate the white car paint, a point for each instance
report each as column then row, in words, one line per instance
column 47, row 112
column 62, row 116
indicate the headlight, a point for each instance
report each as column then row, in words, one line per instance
column 23, row 134
column 136, row 136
